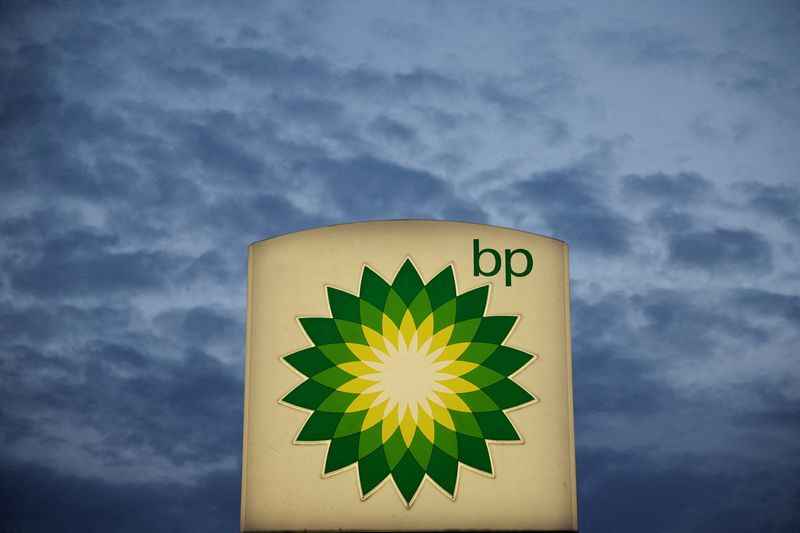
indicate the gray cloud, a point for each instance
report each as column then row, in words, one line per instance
column 621, row 380
column 191, row 77
column 670, row 221
column 570, row 203
column 678, row 323
column 311, row 74
column 145, row 406
column 80, row 263
column 678, row 188
column 259, row 65
column 530, row 108
column 771, row 304
column 201, row 326
column 50, row 254
column 29, row 324
column 722, row 249
column 610, row 382
column 392, row 130
column 756, row 77
column 781, row 201
column 39, row 499
column 370, row 188
column 652, row 45
column 622, row 497
column 775, row 412
column 312, row 109
column 624, row 344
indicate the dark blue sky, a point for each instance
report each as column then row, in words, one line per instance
column 144, row 145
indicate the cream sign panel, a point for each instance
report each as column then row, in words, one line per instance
column 408, row 375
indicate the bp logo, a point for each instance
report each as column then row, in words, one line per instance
column 408, row 380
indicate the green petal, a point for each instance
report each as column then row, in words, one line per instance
column 334, row 377
column 466, row 424
column 308, row 362
column 443, row 470
column 337, row 402
column 478, row 352
column 321, row 330
column 341, row 453
column 373, row 288
column 421, row 449
column 496, row 426
column 407, row 284
column 445, row 439
column 319, row 426
column 350, row 424
column 508, row 394
column 394, row 449
column 473, row 452
column 495, row 329
column 442, row 288
column 507, row 360
column 370, row 441
column 372, row 469
column 471, row 304
column 482, row 377
column 408, row 477
column 464, row 331
column 478, row 401
column 351, row 332
column 395, row 307
column 444, row 316
column 420, row 308
column 343, row 305
column 338, row 353
column 371, row 316
column 308, row 395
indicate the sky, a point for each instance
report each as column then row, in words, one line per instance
column 144, row 145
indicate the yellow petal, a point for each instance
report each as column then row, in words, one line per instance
column 441, row 338
column 453, row 402
column 362, row 402
column 374, row 339
column 356, row 368
column 459, row 385
column 390, row 424
column 356, row 386
column 425, row 330
column 362, row 351
column 408, row 427
column 374, row 415
column 425, row 424
column 458, row 368
column 441, row 415
column 407, row 327
column 390, row 330
column 453, row 351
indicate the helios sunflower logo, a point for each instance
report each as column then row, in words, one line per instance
column 408, row 380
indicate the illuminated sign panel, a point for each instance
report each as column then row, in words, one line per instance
column 408, row 375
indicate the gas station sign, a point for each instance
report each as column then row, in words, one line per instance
column 408, row 375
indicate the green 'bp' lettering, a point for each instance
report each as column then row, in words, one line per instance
column 509, row 254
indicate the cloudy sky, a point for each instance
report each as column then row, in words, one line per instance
column 144, row 145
